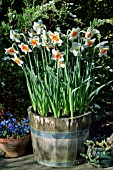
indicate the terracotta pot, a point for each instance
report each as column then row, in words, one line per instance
column 59, row 142
column 14, row 147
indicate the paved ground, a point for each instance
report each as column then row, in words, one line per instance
column 28, row 163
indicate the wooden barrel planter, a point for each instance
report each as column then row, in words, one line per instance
column 59, row 142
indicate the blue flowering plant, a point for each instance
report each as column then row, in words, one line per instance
column 59, row 67
column 13, row 128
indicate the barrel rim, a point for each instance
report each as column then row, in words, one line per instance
column 53, row 118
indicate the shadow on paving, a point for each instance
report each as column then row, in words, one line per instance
column 28, row 163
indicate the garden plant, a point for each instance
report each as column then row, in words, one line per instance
column 58, row 67
column 64, row 63
column 100, row 151
column 14, row 17
column 14, row 135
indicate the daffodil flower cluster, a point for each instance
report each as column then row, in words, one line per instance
column 50, row 40
column 53, row 63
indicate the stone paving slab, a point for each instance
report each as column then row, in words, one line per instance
column 28, row 163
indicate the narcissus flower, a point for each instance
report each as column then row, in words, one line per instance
column 89, row 33
column 25, row 48
column 76, row 47
column 56, row 55
column 103, row 51
column 45, row 45
column 17, row 61
column 34, row 41
column 38, row 26
column 74, row 33
column 55, row 39
column 44, row 35
column 14, row 36
column 101, row 44
column 61, row 63
column 89, row 42
column 31, row 33
column 11, row 51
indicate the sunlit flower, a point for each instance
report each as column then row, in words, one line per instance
column 97, row 32
column 14, row 36
column 103, row 51
column 31, row 33
column 56, row 55
column 89, row 43
column 61, row 63
column 89, row 33
column 44, row 35
column 34, row 41
column 38, row 26
column 17, row 61
column 11, row 51
column 55, row 39
column 25, row 48
column 101, row 44
column 3, row 123
column 45, row 45
column 74, row 33
column 76, row 47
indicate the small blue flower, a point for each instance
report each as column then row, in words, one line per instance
column 3, row 123
column 9, row 114
column 7, row 121
column 13, row 120
column 11, row 126
column 16, row 128
column 27, row 120
column 25, row 129
column 13, row 131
